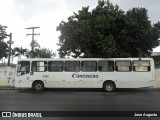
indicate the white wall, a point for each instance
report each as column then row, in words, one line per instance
column 157, row 84
column 7, row 76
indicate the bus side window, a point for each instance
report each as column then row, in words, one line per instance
column 106, row 66
column 55, row 66
column 34, row 68
column 72, row 66
column 89, row 66
column 123, row 66
column 39, row 66
column 141, row 66
column 99, row 68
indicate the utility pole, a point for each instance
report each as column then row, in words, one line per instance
column 33, row 42
column 10, row 42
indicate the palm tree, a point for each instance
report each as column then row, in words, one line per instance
column 19, row 51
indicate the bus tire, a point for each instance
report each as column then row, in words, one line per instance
column 109, row 86
column 38, row 86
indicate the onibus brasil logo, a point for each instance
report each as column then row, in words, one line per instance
column 21, row 114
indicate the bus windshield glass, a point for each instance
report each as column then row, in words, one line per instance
column 23, row 67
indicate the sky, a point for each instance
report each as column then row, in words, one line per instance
column 47, row 14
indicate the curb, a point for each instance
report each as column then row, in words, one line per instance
column 7, row 88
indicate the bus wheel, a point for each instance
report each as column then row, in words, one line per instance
column 38, row 86
column 109, row 86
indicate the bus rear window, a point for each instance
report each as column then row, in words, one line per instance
column 141, row 66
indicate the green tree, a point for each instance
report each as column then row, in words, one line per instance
column 3, row 44
column 141, row 36
column 108, row 31
column 42, row 53
column 3, row 49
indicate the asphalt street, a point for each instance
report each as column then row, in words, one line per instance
column 80, row 100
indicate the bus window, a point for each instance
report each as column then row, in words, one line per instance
column 72, row 66
column 55, row 66
column 89, row 66
column 141, row 66
column 39, row 66
column 106, row 66
column 23, row 67
column 123, row 66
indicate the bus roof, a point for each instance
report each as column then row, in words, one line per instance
column 81, row 59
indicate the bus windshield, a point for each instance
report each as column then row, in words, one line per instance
column 23, row 68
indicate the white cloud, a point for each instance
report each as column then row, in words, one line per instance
column 152, row 7
column 27, row 9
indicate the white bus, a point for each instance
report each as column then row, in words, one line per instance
column 109, row 73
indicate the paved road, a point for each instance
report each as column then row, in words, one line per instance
column 79, row 100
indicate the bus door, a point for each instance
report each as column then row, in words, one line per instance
column 23, row 73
